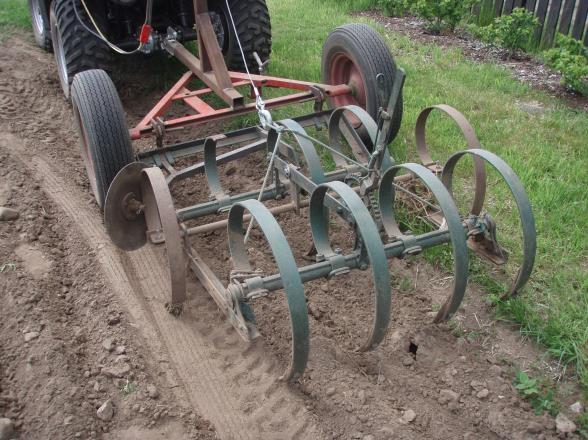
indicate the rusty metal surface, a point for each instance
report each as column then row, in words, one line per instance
column 123, row 209
column 160, row 216
column 471, row 139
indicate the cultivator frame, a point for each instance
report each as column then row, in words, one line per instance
column 361, row 190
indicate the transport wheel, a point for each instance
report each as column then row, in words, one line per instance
column 75, row 48
column 40, row 22
column 253, row 25
column 354, row 54
column 105, row 142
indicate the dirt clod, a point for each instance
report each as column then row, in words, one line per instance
column 108, row 344
column 535, row 428
column 106, row 411
column 6, row 429
column 117, row 371
column 483, row 393
column 152, row 392
column 577, row 407
column 408, row 416
column 8, row 214
column 408, row 361
column 563, row 425
column 446, row 396
column 29, row 336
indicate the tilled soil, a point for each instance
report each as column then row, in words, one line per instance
column 83, row 323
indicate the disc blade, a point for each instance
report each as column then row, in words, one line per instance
column 126, row 230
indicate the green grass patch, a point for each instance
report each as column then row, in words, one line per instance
column 13, row 14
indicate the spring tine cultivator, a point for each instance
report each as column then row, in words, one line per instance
column 362, row 188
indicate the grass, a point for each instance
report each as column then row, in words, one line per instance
column 540, row 399
column 547, row 150
column 14, row 14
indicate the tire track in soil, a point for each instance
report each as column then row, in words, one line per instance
column 234, row 386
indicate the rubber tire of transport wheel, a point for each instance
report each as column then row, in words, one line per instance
column 76, row 50
column 40, row 24
column 359, row 48
column 106, row 145
column 252, row 21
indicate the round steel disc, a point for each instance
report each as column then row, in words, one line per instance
column 127, row 231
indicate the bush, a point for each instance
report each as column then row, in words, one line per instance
column 443, row 14
column 395, row 8
column 570, row 58
column 513, row 32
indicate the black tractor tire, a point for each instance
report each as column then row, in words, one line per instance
column 252, row 21
column 40, row 24
column 369, row 55
column 76, row 49
column 106, row 145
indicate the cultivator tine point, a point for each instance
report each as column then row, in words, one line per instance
column 160, row 215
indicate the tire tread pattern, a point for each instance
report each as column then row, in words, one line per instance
column 102, row 115
column 82, row 50
column 253, row 25
column 43, row 40
column 375, row 57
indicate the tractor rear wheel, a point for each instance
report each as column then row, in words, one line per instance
column 106, row 145
column 354, row 54
column 75, row 48
column 254, row 29
column 40, row 22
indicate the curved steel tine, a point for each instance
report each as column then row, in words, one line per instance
column 313, row 161
column 284, row 258
column 523, row 205
column 160, row 214
column 284, row 150
column 368, row 123
column 211, row 171
column 368, row 231
column 470, row 136
column 453, row 222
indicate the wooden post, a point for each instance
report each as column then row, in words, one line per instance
column 566, row 16
column 551, row 24
column 508, row 5
column 580, row 21
column 540, row 14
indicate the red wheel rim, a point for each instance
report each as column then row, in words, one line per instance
column 343, row 70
